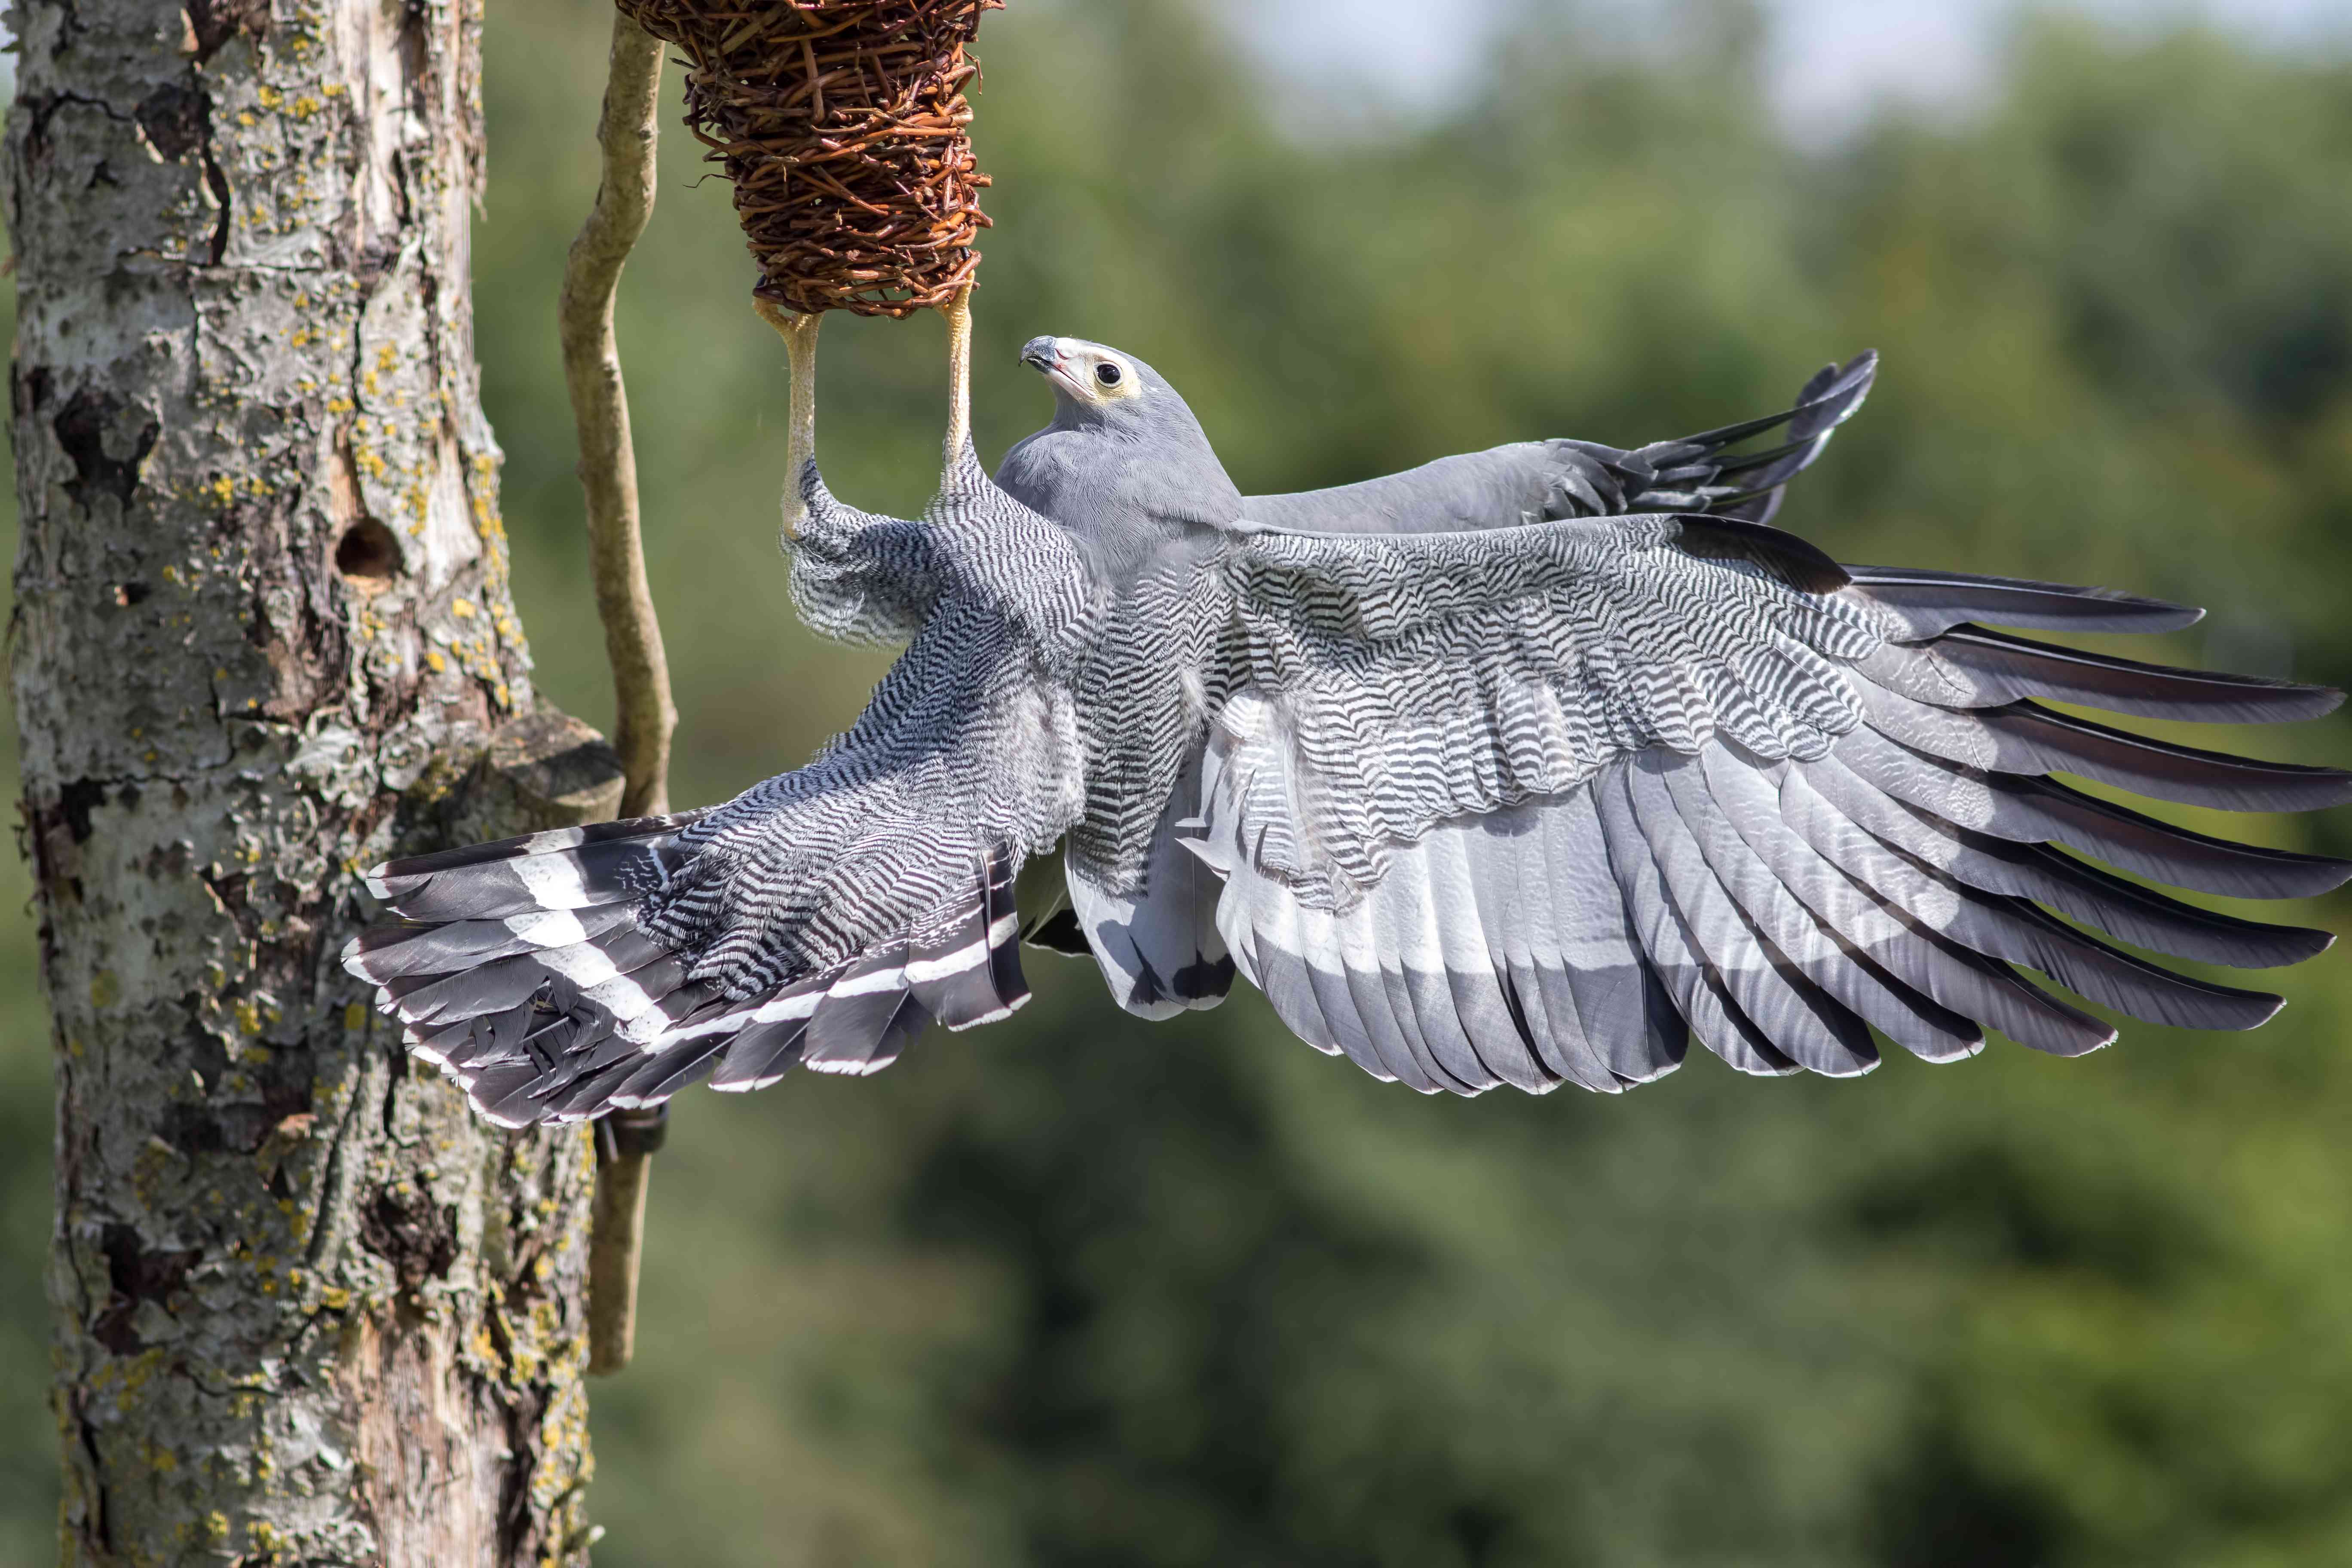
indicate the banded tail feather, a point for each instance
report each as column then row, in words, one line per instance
column 521, row 970
column 1158, row 946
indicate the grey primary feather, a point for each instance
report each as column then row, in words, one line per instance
column 1670, row 945
column 1928, row 603
column 1519, row 768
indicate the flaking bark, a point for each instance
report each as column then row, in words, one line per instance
column 308, row 1310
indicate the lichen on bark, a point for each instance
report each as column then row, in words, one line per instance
column 308, row 1310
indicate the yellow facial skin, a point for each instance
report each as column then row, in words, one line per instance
column 1092, row 375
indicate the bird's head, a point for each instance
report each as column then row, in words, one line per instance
column 1096, row 384
column 1088, row 374
column 1110, row 405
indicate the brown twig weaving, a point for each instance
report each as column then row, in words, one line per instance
column 843, row 126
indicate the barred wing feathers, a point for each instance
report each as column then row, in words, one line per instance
column 1534, row 806
column 820, row 919
column 547, row 1002
column 859, row 577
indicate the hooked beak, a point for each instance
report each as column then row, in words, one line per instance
column 1045, row 355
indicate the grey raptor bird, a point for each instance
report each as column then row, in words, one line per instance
column 1520, row 767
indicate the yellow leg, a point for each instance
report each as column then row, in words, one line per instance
column 799, row 333
column 957, row 310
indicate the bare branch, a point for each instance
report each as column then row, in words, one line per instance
column 626, row 133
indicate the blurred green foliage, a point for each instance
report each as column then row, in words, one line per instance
column 1083, row 1291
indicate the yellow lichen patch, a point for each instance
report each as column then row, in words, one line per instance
column 355, row 1014
column 268, row 96
column 136, row 1375
column 156, row 1160
column 105, row 990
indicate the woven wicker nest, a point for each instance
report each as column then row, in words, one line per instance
column 843, row 126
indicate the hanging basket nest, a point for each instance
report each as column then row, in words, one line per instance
column 844, row 127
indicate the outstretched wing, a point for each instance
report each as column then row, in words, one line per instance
column 1738, row 471
column 1532, row 806
column 549, row 977
column 823, row 918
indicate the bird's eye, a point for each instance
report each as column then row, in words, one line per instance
column 1108, row 374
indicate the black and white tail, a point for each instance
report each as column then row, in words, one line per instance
column 521, row 970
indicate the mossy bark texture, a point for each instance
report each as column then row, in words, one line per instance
column 308, row 1310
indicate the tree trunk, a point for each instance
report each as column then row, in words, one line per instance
column 308, row 1310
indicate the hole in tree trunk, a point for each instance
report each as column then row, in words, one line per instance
column 368, row 556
